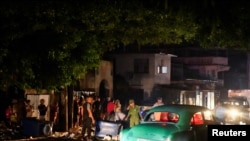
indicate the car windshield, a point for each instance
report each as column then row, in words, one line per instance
column 162, row 117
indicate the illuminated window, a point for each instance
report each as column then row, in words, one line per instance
column 162, row 69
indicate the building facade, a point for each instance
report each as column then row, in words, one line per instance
column 99, row 81
column 210, row 68
column 203, row 78
column 144, row 71
column 186, row 80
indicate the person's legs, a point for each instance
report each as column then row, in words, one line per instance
column 88, row 126
column 84, row 127
column 75, row 121
column 131, row 123
column 136, row 121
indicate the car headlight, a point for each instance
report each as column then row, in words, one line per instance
column 233, row 113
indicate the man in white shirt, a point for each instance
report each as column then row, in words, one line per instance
column 156, row 115
column 158, row 102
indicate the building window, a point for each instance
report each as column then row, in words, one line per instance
column 141, row 66
column 162, row 69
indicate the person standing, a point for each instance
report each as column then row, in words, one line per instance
column 110, row 110
column 158, row 102
column 104, row 103
column 42, row 109
column 29, row 109
column 81, row 101
column 97, row 108
column 133, row 113
column 119, row 116
column 75, row 112
column 157, row 115
column 88, row 118
column 8, row 112
column 54, row 111
column 14, row 114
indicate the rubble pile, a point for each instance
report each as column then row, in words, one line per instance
column 74, row 133
column 7, row 133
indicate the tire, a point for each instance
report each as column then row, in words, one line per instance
column 47, row 129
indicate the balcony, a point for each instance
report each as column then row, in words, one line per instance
column 202, row 60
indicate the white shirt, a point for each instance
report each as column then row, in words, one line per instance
column 158, row 104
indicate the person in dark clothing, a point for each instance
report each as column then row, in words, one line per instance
column 97, row 108
column 88, row 118
column 8, row 112
column 54, row 111
column 104, row 107
column 42, row 109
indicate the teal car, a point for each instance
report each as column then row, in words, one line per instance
column 171, row 123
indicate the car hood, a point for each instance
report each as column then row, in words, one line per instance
column 153, row 131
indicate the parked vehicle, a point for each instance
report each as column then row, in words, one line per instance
column 171, row 123
column 237, row 110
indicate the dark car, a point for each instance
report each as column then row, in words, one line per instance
column 171, row 123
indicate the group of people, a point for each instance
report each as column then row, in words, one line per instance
column 108, row 109
column 42, row 109
column 134, row 115
column 12, row 112
column 83, row 114
column 89, row 109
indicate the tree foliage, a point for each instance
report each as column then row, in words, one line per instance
column 51, row 43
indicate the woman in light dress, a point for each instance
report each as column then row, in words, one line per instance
column 119, row 115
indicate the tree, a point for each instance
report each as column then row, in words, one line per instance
column 43, row 47
column 51, row 43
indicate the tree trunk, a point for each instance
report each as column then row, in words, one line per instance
column 63, row 120
column 70, row 107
